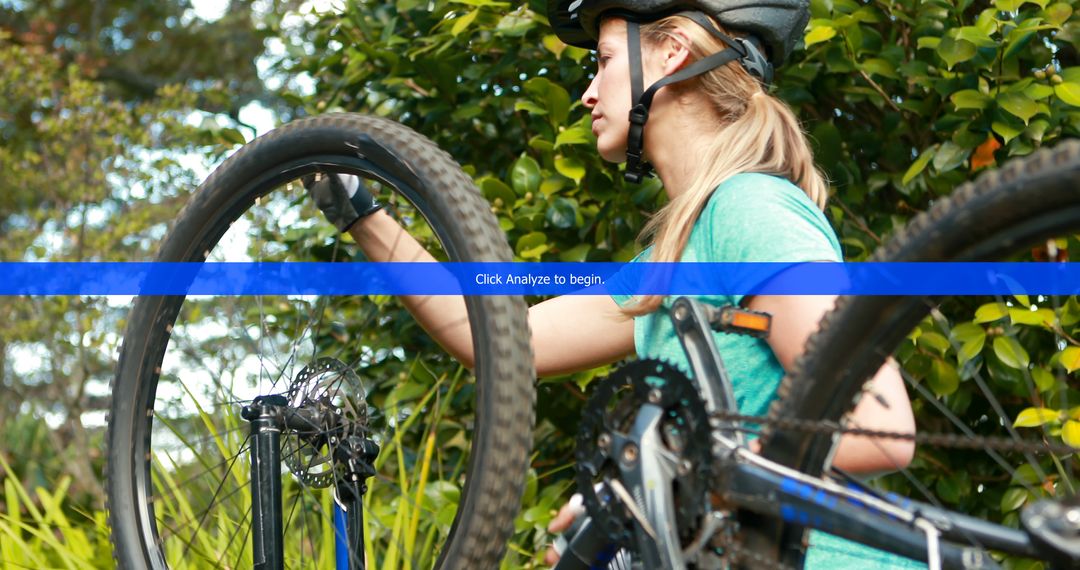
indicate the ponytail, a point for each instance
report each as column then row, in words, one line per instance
column 757, row 133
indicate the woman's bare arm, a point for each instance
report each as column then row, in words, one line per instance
column 570, row 333
column 794, row 319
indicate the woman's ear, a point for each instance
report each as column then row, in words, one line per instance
column 676, row 54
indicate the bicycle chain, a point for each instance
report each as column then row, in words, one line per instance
column 737, row 555
column 950, row 440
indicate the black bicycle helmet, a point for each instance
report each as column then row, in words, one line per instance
column 775, row 25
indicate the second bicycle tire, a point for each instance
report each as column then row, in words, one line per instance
column 999, row 216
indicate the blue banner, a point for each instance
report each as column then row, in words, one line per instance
column 106, row 278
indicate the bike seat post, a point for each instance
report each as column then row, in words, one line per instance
column 265, row 415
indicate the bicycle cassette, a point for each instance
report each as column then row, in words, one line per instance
column 606, row 423
column 330, row 388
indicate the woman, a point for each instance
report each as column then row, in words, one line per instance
column 742, row 186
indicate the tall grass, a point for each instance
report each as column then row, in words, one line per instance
column 408, row 508
column 38, row 531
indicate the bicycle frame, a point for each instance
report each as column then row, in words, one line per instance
column 751, row 483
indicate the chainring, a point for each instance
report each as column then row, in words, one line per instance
column 334, row 390
column 611, row 410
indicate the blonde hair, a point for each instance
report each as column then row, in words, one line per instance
column 757, row 133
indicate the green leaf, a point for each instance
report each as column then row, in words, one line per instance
column 1036, row 129
column 935, row 342
column 967, row 332
column 1018, row 104
column 970, row 99
column 1010, row 352
column 551, row 185
column 1044, row 379
column 919, row 165
column 943, row 379
column 1017, row 41
column 554, row 44
column 1070, row 433
column 976, row 36
column 514, row 24
column 990, row 312
column 819, row 34
column 463, row 22
column 1070, row 359
column 928, row 42
column 1008, row 5
column 1070, row 314
column 949, row 488
column 482, row 3
column 562, row 213
column 878, row 66
column 554, row 97
column 573, row 135
column 971, row 348
column 1068, row 92
column 1058, row 13
column 949, row 156
column 1026, row 475
column 576, row 53
column 529, row 107
column 1038, row 91
column 1013, row 499
column 570, row 167
column 493, row 188
column 1034, row 417
column 868, row 15
column 232, row 136
column 541, row 144
column 558, row 101
column 525, row 176
column 1038, row 318
column 986, row 22
column 1007, row 131
column 531, row 244
column 577, row 253
column 954, row 51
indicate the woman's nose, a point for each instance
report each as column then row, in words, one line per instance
column 588, row 98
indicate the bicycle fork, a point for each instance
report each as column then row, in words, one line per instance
column 354, row 455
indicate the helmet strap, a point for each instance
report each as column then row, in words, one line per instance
column 744, row 50
column 636, row 168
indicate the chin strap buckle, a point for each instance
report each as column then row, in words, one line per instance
column 636, row 168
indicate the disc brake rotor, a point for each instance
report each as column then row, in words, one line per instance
column 334, row 392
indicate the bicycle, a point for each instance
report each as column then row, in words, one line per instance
column 301, row 405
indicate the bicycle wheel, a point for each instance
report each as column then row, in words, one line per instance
column 951, row 367
column 454, row 442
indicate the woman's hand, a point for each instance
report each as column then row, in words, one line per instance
column 562, row 521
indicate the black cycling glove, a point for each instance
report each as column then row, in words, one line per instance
column 343, row 198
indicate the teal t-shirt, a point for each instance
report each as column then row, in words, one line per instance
column 756, row 217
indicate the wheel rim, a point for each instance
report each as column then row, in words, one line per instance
column 406, row 518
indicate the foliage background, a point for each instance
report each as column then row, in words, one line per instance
column 903, row 100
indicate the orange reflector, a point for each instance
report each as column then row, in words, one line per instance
column 750, row 321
